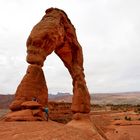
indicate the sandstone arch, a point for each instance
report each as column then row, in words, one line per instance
column 54, row 32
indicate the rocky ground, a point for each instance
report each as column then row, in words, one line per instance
column 118, row 125
column 80, row 128
column 40, row 131
column 101, row 125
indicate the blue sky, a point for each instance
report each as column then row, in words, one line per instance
column 108, row 31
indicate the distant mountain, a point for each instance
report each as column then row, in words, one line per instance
column 97, row 98
column 116, row 98
column 5, row 100
column 66, row 97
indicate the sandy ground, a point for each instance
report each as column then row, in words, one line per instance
column 38, row 131
column 116, row 127
column 131, row 132
column 44, row 131
column 112, row 126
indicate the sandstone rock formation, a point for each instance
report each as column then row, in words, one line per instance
column 54, row 32
column 60, row 112
column 33, row 85
column 83, row 123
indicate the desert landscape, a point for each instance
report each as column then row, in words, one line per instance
column 89, row 51
column 111, row 121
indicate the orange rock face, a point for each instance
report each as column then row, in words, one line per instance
column 54, row 32
column 30, row 105
column 33, row 85
column 60, row 112
column 22, row 115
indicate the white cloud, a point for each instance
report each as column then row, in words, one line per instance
column 108, row 31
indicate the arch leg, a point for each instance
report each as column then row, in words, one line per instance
column 73, row 60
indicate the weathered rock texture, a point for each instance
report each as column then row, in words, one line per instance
column 33, row 85
column 60, row 112
column 55, row 33
column 29, row 111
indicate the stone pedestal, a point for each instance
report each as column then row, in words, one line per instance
column 32, row 87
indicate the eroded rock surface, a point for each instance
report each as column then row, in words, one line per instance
column 54, row 32
column 33, row 85
column 60, row 111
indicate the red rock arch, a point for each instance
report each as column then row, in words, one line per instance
column 54, row 32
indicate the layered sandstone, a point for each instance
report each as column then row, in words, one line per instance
column 60, row 111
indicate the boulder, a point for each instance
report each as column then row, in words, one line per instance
column 26, row 115
column 16, row 105
column 31, row 105
column 22, row 115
